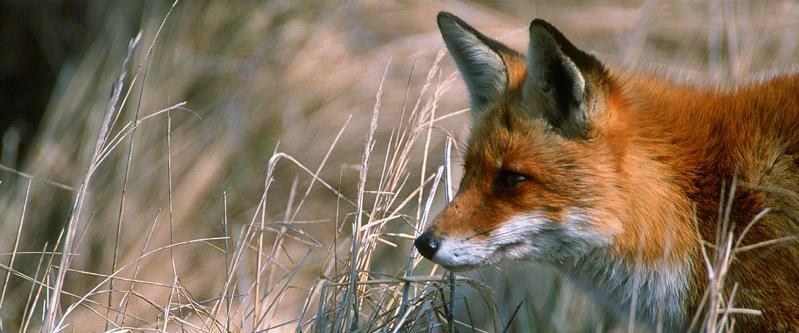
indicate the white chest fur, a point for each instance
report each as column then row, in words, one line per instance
column 656, row 292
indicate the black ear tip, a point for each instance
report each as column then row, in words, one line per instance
column 541, row 24
column 447, row 18
column 445, row 15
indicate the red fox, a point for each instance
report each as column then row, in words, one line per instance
column 615, row 178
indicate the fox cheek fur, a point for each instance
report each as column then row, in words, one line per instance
column 613, row 176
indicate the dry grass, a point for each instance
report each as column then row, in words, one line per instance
column 265, row 166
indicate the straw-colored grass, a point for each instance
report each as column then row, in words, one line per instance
column 254, row 166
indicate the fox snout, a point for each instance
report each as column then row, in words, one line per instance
column 454, row 253
column 427, row 244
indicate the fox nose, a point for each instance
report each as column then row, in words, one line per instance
column 427, row 244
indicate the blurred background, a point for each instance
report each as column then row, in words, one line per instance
column 301, row 78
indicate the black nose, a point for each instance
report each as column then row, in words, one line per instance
column 427, row 244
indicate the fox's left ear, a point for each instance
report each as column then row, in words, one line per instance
column 479, row 60
column 564, row 80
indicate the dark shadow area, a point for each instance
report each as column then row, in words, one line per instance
column 37, row 37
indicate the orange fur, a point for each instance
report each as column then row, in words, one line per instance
column 704, row 138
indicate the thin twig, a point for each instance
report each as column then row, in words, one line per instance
column 16, row 245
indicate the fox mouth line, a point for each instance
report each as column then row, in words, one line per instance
column 496, row 256
column 461, row 268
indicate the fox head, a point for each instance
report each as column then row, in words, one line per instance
column 536, row 175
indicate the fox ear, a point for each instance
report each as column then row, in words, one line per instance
column 478, row 59
column 563, row 77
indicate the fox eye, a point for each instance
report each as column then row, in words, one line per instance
column 511, row 179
